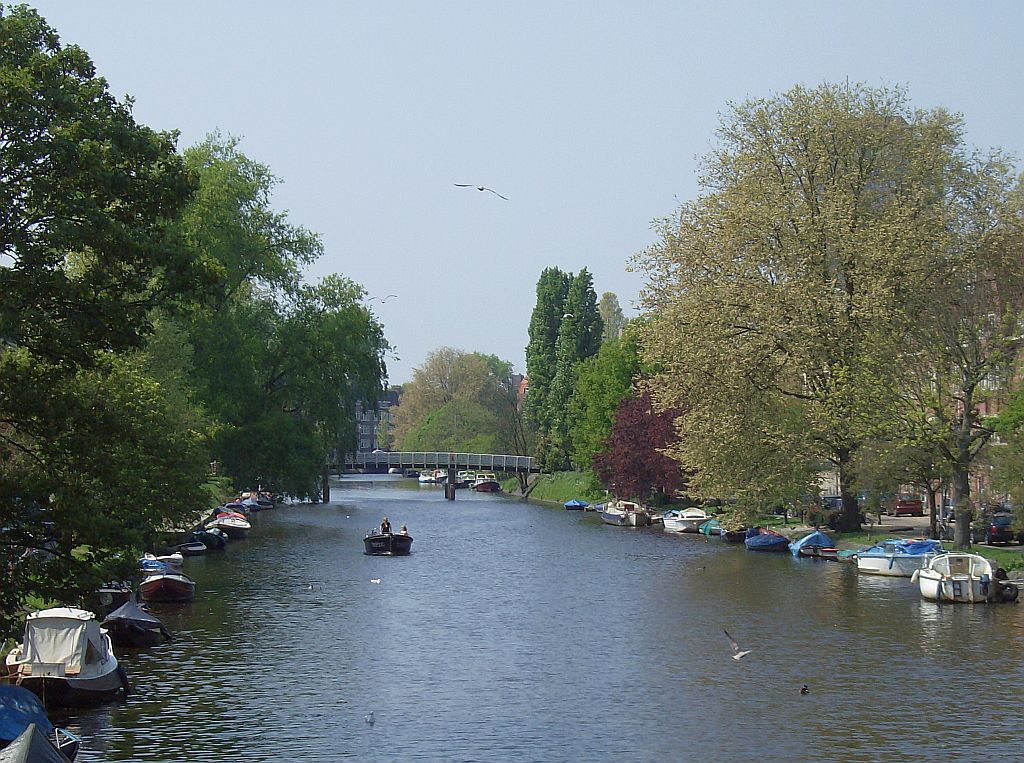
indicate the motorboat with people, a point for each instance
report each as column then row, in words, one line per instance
column 963, row 577
column 66, row 659
column 380, row 541
column 132, row 626
column 685, row 520
column 625, row 514
column 898, row 557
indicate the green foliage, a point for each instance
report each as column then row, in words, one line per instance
column 96, row 454
column 560, row 487
column 86, row 194
column 799, row 274
column 611, row 316
column 278, row 365
column 602, row 382
column 95, row 460
column 579, row 337
column 541, row 354
column 459, row 401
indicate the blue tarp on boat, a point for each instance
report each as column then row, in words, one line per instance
column 575, row 503
column 765, row 540
column 816, row 538
column 903, row 546
column 18, row 708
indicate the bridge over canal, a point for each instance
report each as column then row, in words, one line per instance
column 426, row 460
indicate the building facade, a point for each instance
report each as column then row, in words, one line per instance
column 376, row 427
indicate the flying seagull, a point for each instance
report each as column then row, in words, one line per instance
column 375, row 580
column 369, row 718
column 480, row 188
column 568, row 315
column 804, row 689
column 737, row 653
column 383, row 299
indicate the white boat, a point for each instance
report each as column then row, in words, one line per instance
column 172, row 560
column 685, row 520
column 957, row 576
column 625, row 514
column 66, row 659
column 898, row 557
column 232, row 525
column 486, row 482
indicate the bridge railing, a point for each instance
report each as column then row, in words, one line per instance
column 437, row 460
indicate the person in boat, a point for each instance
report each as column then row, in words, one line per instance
column 404, row 530
column 385, row 527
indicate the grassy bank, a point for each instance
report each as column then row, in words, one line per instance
column 560, row 487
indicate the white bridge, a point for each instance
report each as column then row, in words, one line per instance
column 427, row 460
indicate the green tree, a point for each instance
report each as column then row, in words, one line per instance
column 799, row 271
column 93, row 463
column 94, row 454
column 541, row 354
column 459, row 401
column 602, row 382
column 86, row 196
column 579, row 337
column 278, row 364
column 611, row 315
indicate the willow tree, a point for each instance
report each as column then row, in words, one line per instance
column 790, row 283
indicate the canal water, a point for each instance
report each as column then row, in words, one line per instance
column 518, row 632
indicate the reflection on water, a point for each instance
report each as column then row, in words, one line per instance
column 517, row 632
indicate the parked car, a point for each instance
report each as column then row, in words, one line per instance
column 994, row 528
column 905, row 505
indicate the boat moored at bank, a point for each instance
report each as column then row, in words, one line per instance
column 898, row 557
column 66, row 659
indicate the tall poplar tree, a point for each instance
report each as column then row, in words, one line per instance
column 611, row 314
column 541, row 355
column 579, row 337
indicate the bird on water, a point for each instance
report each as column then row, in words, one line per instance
column 369, row 718
column 480, row 188
column 737, row 653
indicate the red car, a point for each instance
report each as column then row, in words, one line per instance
column 906, row 506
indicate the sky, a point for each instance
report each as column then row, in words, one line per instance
column 591, row 117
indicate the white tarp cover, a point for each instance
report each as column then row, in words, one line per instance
column 63, row 635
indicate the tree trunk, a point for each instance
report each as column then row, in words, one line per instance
column 962, row 506
column 933, row 531
column 850, row 519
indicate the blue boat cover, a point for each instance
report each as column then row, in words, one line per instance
column 576, row 503
column 153, row 566
column 903, row 546
column 816, row 538
column 768, row 539
column 18, row 708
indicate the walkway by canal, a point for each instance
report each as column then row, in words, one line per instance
column 518, row 632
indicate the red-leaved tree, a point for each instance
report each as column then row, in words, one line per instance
column 632, row 466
